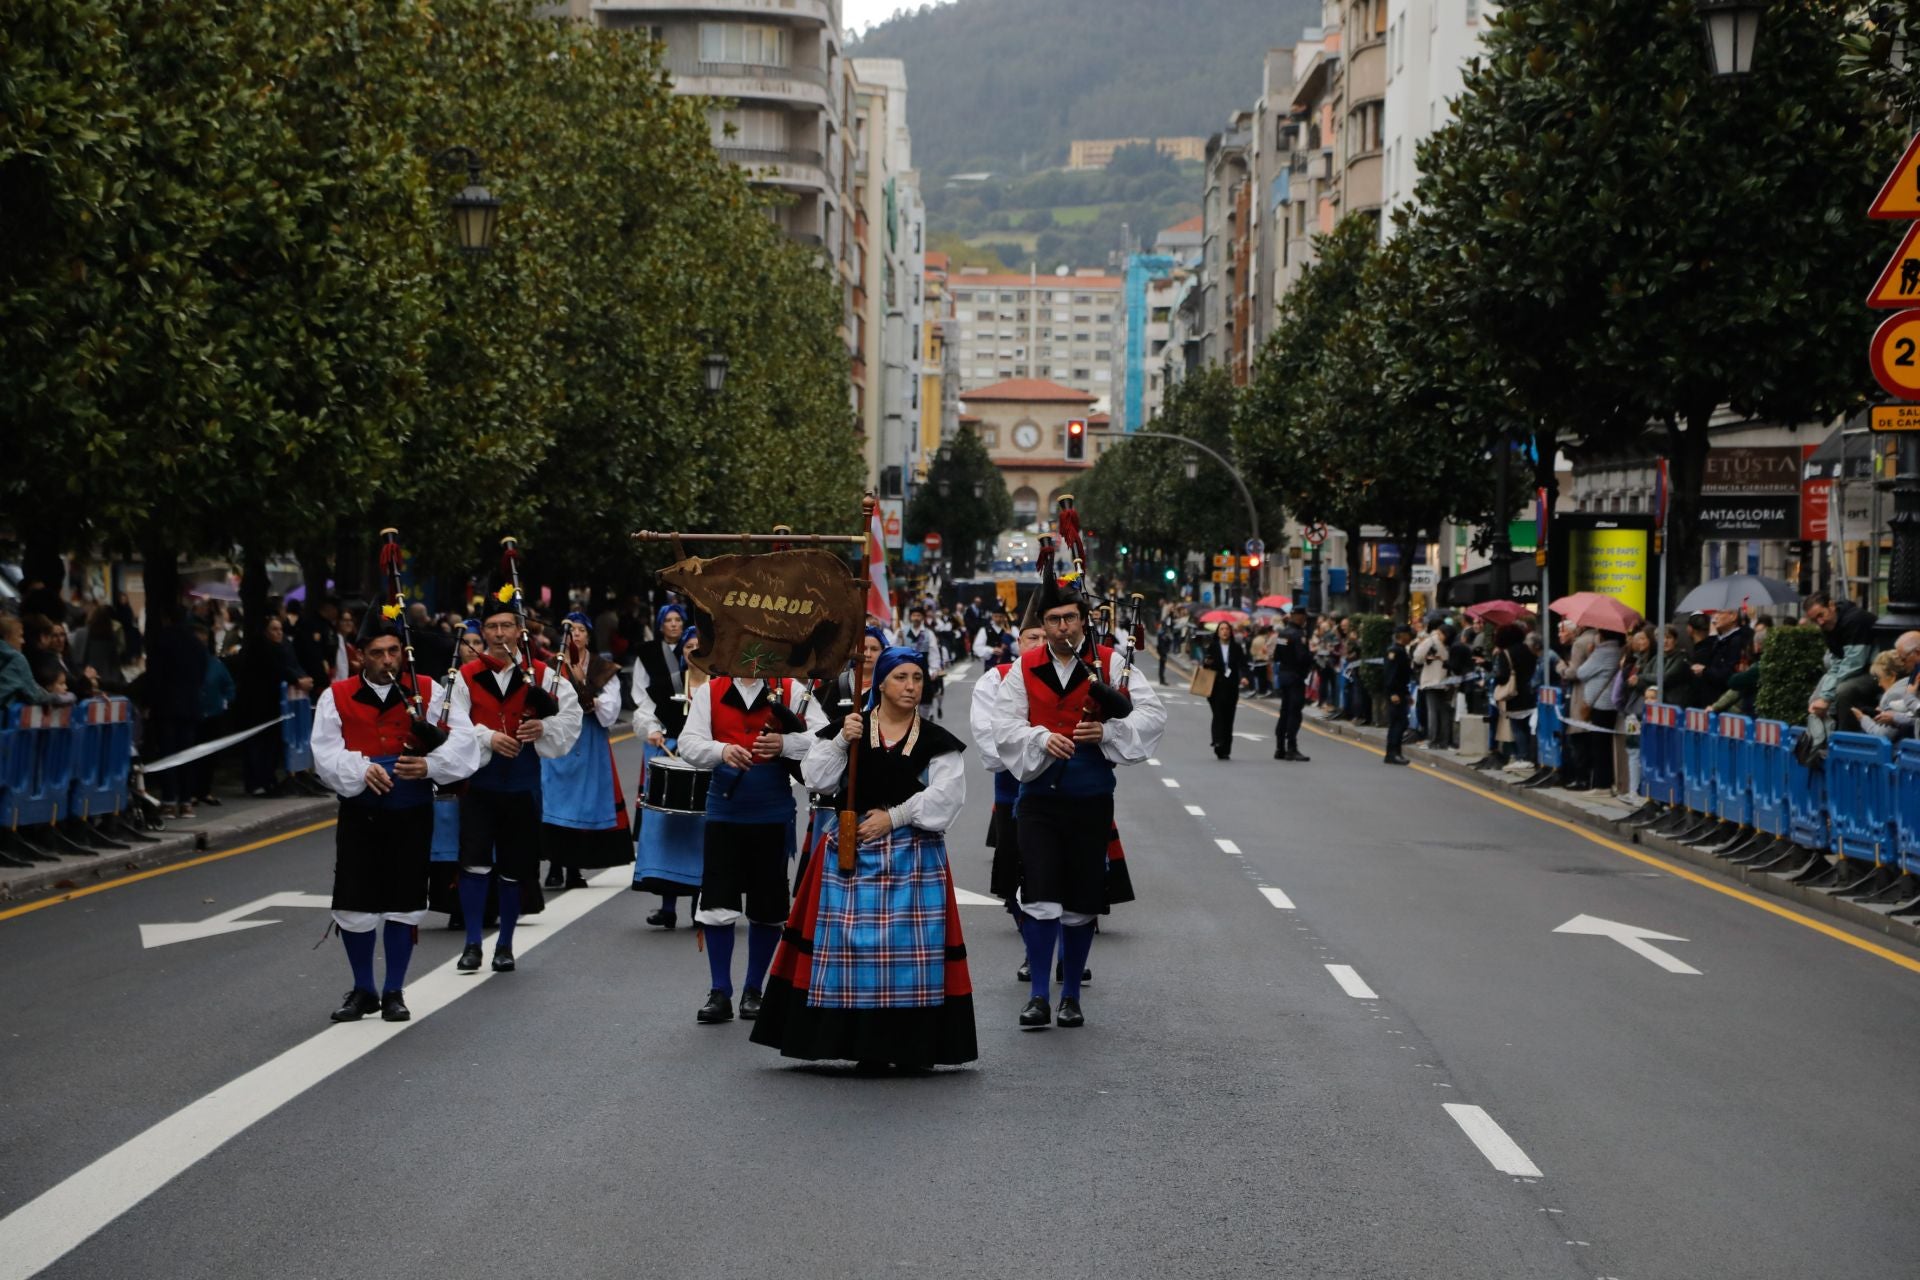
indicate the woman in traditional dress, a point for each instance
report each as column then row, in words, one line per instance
column 872, row 966
column 583, row 818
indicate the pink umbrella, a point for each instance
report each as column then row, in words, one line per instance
column 1223, row 615
column 1591, row 609
column 1498, row 612
column 1275, row 602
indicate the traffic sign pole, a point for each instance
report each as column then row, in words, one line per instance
column 1895, row 359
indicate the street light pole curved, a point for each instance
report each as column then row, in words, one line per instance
column 1253, row 514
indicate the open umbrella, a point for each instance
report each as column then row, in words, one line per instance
column 1498, row 612
column 214, row 591
column 1591, row 609
column 1222, row 615
column 1736, row 589
column 1275, row 602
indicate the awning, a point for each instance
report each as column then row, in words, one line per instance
column 1846, row 453
column 1476, row 585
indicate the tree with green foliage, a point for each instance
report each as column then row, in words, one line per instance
column 965, row 500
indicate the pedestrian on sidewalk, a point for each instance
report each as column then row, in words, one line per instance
column 1397, row 679
column 176, row 668
column 1291, row 662
column 1226, row 657
column 1163, row 643
column 1436, row 695
column 1513, row 664
column 1593, row 703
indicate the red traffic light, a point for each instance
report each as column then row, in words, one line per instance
column 1075, row 427
column 1253, row 562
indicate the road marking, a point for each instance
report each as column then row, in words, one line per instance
column 1502, row 1152
column 968, row 898
column 1154, row 761
column 1227, row 846
column 1277, row 898
column 46, row 1228
column 1351, row 983
column 1250, row 737
column 1674, row 869
column 1170, row 782
column 169, row 869
column 1633, row 938
column 1196, row 811
column 229, row 921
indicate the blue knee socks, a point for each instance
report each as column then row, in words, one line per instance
column 473, row 903
column 509, row 915
column 1042, row 937
column 398, row 939
column 1076, row 944
column 360, row 956
column 668, row 902
column 761, row 940
column 719, row 939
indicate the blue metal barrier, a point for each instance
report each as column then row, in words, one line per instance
column 1547, row 726
column 296, row 732
column 1906, row 803
column 1860, row 797
column 1696, row 760
column 103, row 757
column 1806, row 799
column 1733, row 769
column 40, row 770
column 1659, row 753
column 1770, row 756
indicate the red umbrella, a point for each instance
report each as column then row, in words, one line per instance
column 1223, row 615
column 1275, row 602
column 1591, row 609
column 1498, row 612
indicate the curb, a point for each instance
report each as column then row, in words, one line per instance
column 1546, row 802
column 77, row 872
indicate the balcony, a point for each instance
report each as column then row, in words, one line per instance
column 794, row 167
column 743, row 81
column 1367, row 74
column 1360, row 190
column 817, row 12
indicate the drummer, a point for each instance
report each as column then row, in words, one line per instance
column 664, row 865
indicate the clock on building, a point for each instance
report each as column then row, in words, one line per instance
column 1026, row 435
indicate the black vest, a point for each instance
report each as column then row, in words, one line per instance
column 659, row 681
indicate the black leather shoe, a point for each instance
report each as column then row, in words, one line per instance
column 393, row 1008
column 470, row 959
column 553, row 879
column 356, row 1006
column 1279, row 754
column 575, row 880
column 1396, row 760
column 718, row 1008
column 749, row 1005
column 502, row 960
column 1024, row 973
column 664, row 919
column 1297, row 758
column 1038, row 1013
column 1070, row 1015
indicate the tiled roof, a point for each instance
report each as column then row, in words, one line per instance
column 1029, row 391
column 1195, row 224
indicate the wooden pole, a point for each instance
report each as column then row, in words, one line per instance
column 849, row 818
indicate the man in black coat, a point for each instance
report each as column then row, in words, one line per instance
column 1291, row 660
column 1396, row 676
column 176, row 667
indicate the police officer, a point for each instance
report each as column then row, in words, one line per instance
column 1397, row 675
column 1291, row 659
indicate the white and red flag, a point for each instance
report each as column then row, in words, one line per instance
column 879, row 599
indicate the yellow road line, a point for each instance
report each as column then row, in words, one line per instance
column 171, row 867
column 1653, row 860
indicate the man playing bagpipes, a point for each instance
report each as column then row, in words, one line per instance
column 378, row 744
column 1064, row 718
column 514, row 702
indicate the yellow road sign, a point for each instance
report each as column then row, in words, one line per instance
column 1896, row 417
column 1900, row 197
column 1895, row 355
column 1899, row 284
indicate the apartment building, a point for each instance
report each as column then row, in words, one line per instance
column 1222, row 262
column 1097, row 153
column 889, row 275
column 1023, row 424
column 1062, row 326
column 1429, row 43
column 939, row 365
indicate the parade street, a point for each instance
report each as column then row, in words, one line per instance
column 1361, row 1022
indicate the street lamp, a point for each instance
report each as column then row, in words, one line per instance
column 714, row 368
column 1192, row 468
column 979, row 488
column 1732, row 27
column 476, row 211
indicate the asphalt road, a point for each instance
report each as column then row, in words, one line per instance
column 1467, row 1093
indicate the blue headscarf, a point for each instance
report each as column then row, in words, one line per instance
column 897, row 656
column 881, row 636
column 471, row 626
column 660, row 616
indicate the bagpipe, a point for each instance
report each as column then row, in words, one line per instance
column 540, row 702
column 1112, row 701
column 424, row 735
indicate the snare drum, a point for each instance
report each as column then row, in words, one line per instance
column 674, row 786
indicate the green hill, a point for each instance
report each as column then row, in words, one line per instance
column 1007, row 84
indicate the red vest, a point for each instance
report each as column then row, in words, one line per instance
column 488, row 708
column 732, row 725
column 1058, row 712
column 369, row 730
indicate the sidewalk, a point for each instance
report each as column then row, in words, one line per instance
column 237, row 820
column 1605, row 814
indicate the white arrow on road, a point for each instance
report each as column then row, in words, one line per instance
column 229, row 921
column 1633, row 938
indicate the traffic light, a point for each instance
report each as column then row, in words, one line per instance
column 1171, row 575
column 1076, row 440
column 1253, row 561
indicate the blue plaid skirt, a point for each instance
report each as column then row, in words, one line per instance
column 880, row 941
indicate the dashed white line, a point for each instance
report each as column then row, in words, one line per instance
column 1351, row 982
column 1154, row 761
column 1227, row 846
column 1170, row 782
column 1502, row 1152
column 1196, row 811
column 1277, row 898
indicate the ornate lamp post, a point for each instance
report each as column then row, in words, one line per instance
column 1732, row 27
column 476, row 211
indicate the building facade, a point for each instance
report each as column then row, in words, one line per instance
column 890, row 270
column 1428, row 45
column 1097, row 153
column 1023, row 424
column 1061, row 326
